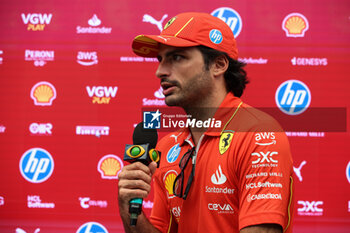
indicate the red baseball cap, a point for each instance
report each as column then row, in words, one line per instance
column 187, row 30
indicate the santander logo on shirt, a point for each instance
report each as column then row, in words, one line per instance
column 218, row 177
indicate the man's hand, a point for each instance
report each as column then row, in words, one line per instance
column 135, row 182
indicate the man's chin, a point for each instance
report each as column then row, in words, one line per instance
column 171, row 100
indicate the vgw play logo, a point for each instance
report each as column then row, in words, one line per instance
column 293, row 97
column 36, row 165
column 230, row 17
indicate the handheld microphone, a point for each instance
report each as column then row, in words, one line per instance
column 142, row 150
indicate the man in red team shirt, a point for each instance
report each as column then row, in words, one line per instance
column 234, row 177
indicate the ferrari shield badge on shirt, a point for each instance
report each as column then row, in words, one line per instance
column 225, row 141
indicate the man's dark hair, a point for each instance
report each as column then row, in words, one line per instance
column 235, row 76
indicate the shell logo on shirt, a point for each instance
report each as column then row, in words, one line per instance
column 225, row 142
column 168, row 180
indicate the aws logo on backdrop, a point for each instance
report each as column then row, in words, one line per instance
column 293, row 97
column 36, row 165
column 36, row 21
column 231, row 18
column 101, row 94
column 87, row 58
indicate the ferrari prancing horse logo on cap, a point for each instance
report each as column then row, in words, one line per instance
column 169, row 23
column 225, row 141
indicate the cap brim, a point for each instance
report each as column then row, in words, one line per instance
column 148, row 45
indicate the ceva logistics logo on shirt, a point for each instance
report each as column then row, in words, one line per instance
column 36, row 165
column 293, row 97
column 230, row 17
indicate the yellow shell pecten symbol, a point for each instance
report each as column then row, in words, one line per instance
column 169, row 182
column 43, row 93
column 110, row 167
column 295, row 25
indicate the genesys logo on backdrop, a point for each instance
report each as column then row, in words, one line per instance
column 42, row 129
column 295, row 25
column 230, row 17
column 157, row 101
column 293, row 97
column 36, row 165
column 109, row 166
column 92, row 130
column 309, row 61
column 310, row 208
column 39, row 57
column 94, row 28
column 43, row 93
column 87, row 58
column 36, row 21
column 101, row 94
column 92, row 227
column 34, row 201
column 87, row 202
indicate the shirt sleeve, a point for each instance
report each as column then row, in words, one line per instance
column 265, row 171
column 160, row 214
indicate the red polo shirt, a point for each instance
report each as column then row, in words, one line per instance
column 243, row 175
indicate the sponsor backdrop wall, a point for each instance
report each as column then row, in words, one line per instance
column 71, row 91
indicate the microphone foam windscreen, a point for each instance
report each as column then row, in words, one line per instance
column 143, row 136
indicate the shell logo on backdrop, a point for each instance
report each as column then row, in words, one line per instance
column 110, row 166
column 295, row 25
column 168, row 180
column 43, row 93
column 36, row 21
column 230, row 17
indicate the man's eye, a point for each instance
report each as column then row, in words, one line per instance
column 177, row 57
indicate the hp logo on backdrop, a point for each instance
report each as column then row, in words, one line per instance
column 36, row 165
column 92, row 227
column 230, row 17
column 293, row 97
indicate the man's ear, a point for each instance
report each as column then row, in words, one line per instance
column 219, row 66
